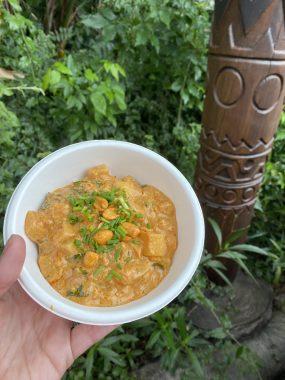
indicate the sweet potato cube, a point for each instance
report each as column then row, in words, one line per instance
column 154, row 244
column 99, row 170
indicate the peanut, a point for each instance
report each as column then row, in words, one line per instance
column 110, row 213
column 90, row 259
column 131, row 229
column 100, row 203
column 103, row 236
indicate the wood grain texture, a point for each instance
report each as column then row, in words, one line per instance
column 244, row 100
column 252, row 29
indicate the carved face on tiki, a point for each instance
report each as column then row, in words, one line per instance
column 246, row 70
column 244, row 99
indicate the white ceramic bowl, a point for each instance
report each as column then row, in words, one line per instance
column 69, row 164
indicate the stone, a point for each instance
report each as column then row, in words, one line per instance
column 248, row 305
column 255, row 325
column 153, row 371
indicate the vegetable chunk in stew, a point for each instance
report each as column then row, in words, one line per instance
column 103, row 240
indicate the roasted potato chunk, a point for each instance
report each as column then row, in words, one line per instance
column 154, row 244
column 36, row 226
column 50, row 267
column 131, row 229
column 93, row 173
column 134, row 270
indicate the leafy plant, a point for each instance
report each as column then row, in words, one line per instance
column 89, row 97
column 229, row 250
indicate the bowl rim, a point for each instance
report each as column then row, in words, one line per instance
column 92, row 315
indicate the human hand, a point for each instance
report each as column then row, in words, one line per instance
column 34, row 343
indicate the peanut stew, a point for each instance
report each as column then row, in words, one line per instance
column 104, row 241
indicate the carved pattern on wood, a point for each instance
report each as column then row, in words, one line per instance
column 249, row 29
column 216, row 195
column 229, row 176
column 235, row 87
column 235, row 95
column 227, row 167
column 229, row 180
column 271, row 84
column 251, row 11
column 220, row 8
column 225, row 145
column 244, row 99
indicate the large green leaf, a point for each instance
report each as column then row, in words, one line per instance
column 96, row 21
column 216, row 230
column 99, row 102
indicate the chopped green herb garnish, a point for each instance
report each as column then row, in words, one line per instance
column 83, row 271
column 109, row 195
column 86, row 235
column 82, row 209
column 119, row 266
column 117, row 253
column 78, row 243
column 98, row 182
column 92, row 229
column 73, row 219
column 112, row 273
column 98, row 270
column 136, row 241
column 105, row 220
column 109, row 248
column 121, row 231
column 123, row 202
column 148, row 226
column 127, row 213
column 113, row 241
column 82, row 203
column 76, row 293
column 102, row 248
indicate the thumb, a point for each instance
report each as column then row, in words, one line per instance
column 11, row 262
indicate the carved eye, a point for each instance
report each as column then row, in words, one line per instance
column 229, row 87
column 267, row 93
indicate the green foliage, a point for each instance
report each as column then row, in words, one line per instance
column 130, row 70
column 164, row 98
column 229, row 250
column 85, row 100
column 268, row 225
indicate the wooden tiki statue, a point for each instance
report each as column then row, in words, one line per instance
column 244, row 100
